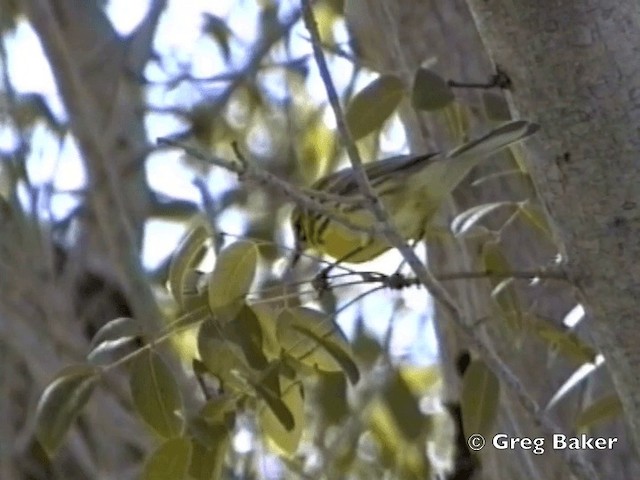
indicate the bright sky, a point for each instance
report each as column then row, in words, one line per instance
column 182, row 44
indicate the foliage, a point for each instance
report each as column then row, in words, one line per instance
column 260, row 353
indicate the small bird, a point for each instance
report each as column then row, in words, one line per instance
column 411, row 187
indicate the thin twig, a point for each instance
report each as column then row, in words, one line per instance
column 247, row 171
column 542, row 274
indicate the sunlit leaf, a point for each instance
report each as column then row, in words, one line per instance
column 111, row 351
column 430, row 91
column 479, row 399
column 170, row 461
column 269, row 391
column 373, row 105
column 156, row 395
column 233, row 274
column 413, row 463
column 385, row 432
column 275, row 423
column 268, row 318
column 315, row 339
column 184, row 330
column 123, row 327
column 421, row 380
column 61, row 402
column 221, row 357
column 339, row 354
column 114, row 340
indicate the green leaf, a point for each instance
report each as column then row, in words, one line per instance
column 246, row 332
column 496, row 107
column 479, row 399
column 466, row 220
column 233, row 275
column 111, row 351
column 430, row 91
column 208, row 432
column 339, row 354
column 123, row 327
column 365, row 348
column 170, row 461
column 267, row 316
column 186, row 258
column 155, row 394
column 207, row 463
column 61, row 402
column 283, row 421
column 605, row 408
column 330, row 394
column 269, row 391
column 190, row 319
column 373, row 105
column 221, row 357
column 194, row 295
column 403, row 406
column 114, row 340
column 216, row 409
column 314, row 339
column 421, row 380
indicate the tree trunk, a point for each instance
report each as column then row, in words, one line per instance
column 576, row 67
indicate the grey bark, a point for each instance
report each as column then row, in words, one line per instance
column 577, row 67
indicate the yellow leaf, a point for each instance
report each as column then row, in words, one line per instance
column 233, row 275
column 170, row 461
column 155, row 394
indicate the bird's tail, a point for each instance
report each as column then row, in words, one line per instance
column 496, row 139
